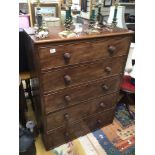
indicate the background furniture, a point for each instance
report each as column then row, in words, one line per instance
column 22, row 105
column 24, row 21
column 23, row 62
column 76, row 81
column 26, row 80
column 128, row 91
column 129, row 12
column 24, row 69
column 127, row 88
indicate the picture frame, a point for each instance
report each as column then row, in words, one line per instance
column 47, row 9
column 107, row 3
column 84, row 5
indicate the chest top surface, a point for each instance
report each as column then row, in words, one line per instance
column 55, row 37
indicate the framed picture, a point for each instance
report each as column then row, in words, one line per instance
column 107, row 3
column 47, row 10
column 84, row 5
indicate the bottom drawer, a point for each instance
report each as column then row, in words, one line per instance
column 65, row 134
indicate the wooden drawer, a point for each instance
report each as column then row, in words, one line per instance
column 69, row 76
column 73, row 131
column 77, row 112
column 53, row 56
column 74, row 95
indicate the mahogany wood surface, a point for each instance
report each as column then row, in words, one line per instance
column 82, row 52
column 79, row 111
column 75, row 81
column 54, row 36
column 84, row 92
column 75, row 75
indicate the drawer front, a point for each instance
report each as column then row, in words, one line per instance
column 77, row 112
column 62, row 78
column 73, row 131
column 71, row 96
column 61, row 136
column 54, row 56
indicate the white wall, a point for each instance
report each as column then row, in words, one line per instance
column 23, row 1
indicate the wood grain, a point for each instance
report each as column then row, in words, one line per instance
column 78, row 94
column 86, row 51
column 75, row 75
column 75, row 130
column 76, row 81
column 79, row 111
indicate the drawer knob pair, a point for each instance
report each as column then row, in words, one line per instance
column 67, row 98
column 111, row 49
column 67, row 79
column 67, row 57
column 108, row 69
column 105, row 87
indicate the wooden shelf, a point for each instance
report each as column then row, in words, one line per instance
column 129, row 23
column 126, row 3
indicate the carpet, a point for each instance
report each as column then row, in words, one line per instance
column 123, row 116
column 117, row 138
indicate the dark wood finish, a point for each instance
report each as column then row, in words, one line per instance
column 79, row 111
column 75, row 75
column 23, row 62
column 76, row 81
column 75, row 130
column 82, row 52
column 77, row 94
column 54, row 36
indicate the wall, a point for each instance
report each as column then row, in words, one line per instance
column 23, row 1
column 45, row 1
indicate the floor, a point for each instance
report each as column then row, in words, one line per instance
column 39, row 145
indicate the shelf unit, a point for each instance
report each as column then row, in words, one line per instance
column 126, row 4
column 129, row 23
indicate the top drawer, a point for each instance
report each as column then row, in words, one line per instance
column 53, row 56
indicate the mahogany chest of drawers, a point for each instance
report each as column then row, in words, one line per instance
column 76, row 82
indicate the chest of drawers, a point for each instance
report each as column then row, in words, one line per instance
column 75, row 82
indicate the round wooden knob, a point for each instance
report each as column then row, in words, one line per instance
column 102, row 105
column 108, row 69
column 66, row 116
column 111, row 49
column 67, row 57
column 67, row 79
column 105, row 87
column 67, row 98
